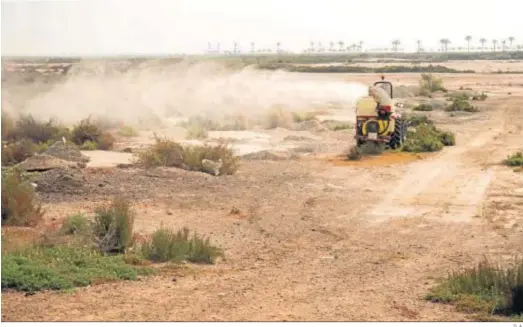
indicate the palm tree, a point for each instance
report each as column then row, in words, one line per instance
column 331, row 43
column 468, row 38
column 503, row 44
column 252, row 47
column 494, row 42
column 395, row 45
column 418, row 43
column 511, row 40
column 482, row 41
column 341, row 44
column 218, row 48
column 235, row 47
column 312, row 46
column 278, row 44
column 361, row 46
column 444, row 44
column 320, row 47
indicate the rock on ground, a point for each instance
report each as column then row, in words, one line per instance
column 61, row 180
column 45, row 162
column 66, row 152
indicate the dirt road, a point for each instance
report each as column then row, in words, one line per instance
column 319, row 241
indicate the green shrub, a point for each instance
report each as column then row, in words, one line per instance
column 75, row 224
column 19, row 207
column 429, row 84
column 423, row 107
column 515, row 160
column 460, row 96
column 416, row 120
column 341, row 126
column 461, row 105
column 62, row 267
column 447, row 138
column 167, row 245
column 113, row 226
column 89, row 146
column 166, row 153
column 425, row 139
column 127, row 131
column 485, row 288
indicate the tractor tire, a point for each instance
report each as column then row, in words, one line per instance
column 400, row 134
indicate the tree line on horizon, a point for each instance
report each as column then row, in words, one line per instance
column 483, row 45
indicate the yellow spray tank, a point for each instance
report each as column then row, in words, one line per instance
column 376, row 117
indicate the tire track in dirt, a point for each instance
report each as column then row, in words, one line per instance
column 449, row 186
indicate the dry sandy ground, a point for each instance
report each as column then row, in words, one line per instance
column 319, row 238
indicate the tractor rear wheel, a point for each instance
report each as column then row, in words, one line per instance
column 400, row 133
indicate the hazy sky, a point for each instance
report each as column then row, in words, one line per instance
column 101, row 27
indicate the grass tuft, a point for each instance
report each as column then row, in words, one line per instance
column 167, row 245
column 113, row 226
column 515, row 160
column 485, row 288
column 167, row 153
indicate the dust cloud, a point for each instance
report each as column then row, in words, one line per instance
column 176, row 90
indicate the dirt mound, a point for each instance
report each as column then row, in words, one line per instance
column 66, row 152
column 266, row 155
column 310, row 125
column 45, row 162
column 61, row 180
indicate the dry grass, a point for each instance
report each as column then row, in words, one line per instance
column 113, row 226
column 27, row 127
column 19, row 206
column 87, row 131
column 13, row 153
column 429, row 84
column 127, row 131
column 278, row 118
column 486, row 289
column 196, row 132
column 167, row 245
column 167, row 153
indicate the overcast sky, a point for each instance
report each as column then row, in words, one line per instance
column 109, row 27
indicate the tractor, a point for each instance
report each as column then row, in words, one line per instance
column 376, row 117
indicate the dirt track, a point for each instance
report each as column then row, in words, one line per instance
column 320, row 241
